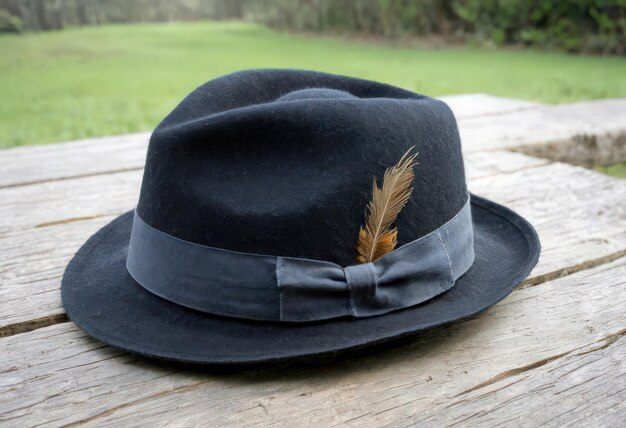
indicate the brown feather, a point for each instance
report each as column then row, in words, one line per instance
column 378, row 237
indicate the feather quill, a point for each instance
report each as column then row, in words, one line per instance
column 378, row 237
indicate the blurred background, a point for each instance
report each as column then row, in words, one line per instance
column 72, row 69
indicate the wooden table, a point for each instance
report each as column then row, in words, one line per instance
column 553, row 352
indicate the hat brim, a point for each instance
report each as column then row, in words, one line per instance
column 101, row 297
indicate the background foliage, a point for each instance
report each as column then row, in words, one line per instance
column 597, row 26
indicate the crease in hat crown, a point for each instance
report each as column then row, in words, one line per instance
column 280, row 162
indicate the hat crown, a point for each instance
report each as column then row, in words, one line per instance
column 281, row 162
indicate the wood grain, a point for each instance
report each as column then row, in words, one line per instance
column 588, row 133
column 66, row 201
column 580, row 215
column 586, row 386
column 468, row 106
column 36, row 164
column 57, row 374
column 31, row 268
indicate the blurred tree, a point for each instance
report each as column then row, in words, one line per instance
column 574, row 25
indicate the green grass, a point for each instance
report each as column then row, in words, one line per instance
column 97, row 81
column 617, row 170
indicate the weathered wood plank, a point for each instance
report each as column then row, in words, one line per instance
column 580, row 215
column 58, row 375
column 27, row 165
column 479, row 164
column 65, row 201
column 584, row 387
column 582, row 210
column 36, row 164
column 31, row 268
column 474, row 105
column 587, row 133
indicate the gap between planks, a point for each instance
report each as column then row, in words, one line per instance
column 71, row 177
column 602, row 343
column 31, row 325
column 585, row 386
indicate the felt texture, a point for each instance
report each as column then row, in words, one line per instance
column 281, row 162
column 102, row 298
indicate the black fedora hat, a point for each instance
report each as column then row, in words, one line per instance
column 258, row 235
